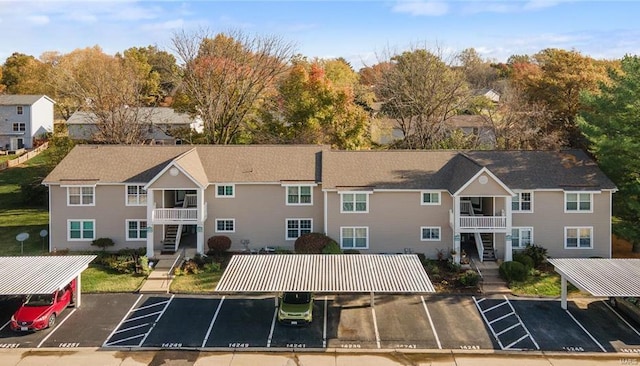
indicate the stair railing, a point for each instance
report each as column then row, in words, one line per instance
column 468, row 207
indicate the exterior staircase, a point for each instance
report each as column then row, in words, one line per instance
column 170, row 237
column 488, row 253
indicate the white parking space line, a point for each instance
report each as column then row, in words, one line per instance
column 104, row 344
column 152, row 305
column 487, row 321
column 614, row 311
column 586, row 331
column 5, row 324
column 433, row 328
column 500, row 318
column 124, row 340
column 375, row 326
column 324, row 326
column 516, row 341
column 495, row 306
column 142, row 316
column 522, row 323
column 273, row 322
column 213, row 320
column 56, row 327
column 131, row 328
column 156, row 321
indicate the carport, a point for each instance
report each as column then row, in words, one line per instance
column 41, row 274
column 599, row 277
column 326, row 273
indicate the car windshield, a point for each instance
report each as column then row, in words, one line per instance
column 39, row 300
column 296, row 297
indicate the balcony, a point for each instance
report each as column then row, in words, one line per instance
column 483, row 222
column 179, row 215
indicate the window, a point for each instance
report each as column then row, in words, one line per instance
column 225, row 225
column 355, row 202
column 578, row 237
column 430, row 233
column 354, row 237
column 81, row 230
column 521, row 237
column 136, row 229
column 19, row 127
column 80, row 196
column 136, row 196
column 19, row 110
column 225, row 190
column 522, row 202
column 298, row 227
column 577, row 202
column 430, row 198
column 299, row 195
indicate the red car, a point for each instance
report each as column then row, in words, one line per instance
column 40, row 311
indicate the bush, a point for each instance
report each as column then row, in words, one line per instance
column 280, row 250
column 332, row 248
column 144, row 265
column 34, row 193
column 219, row 244
column 211, row 267
column 524, row 259
column 103, row 243
column 469, row 278
column 513, row 271
column 537, row 253
column 312, row 243
column 453, row 266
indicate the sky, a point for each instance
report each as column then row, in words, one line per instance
column 362, row 32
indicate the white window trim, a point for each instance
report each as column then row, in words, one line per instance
column 126, row 230
column 423, row 203
column 286, row 227
column 69, row 238
column 354, row 203
column 286, row 194
column 578, row 210
column 15, row 127
column 519, row 228
column 126, row 195
column 225, row 231
column 566, row 228
column 20, row 109
column 233, row 190
column 93, row 203
column 431, row 227
column 354, row 228
column 519, row 210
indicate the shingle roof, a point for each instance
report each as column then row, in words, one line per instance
column 158, row 115
column 14, row 99
column 230, row 163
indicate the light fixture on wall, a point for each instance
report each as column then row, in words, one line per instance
column 173, row 172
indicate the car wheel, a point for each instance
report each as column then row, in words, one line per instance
column 52, row 320
column 613, row 302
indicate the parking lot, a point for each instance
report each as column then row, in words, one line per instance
column 132, row 321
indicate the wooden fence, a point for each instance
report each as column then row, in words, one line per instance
column 22, row 158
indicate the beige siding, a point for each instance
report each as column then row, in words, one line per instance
column 109, row 213
column 490, row 188
column 260, row 214
column 394, row 222
column 180, row 181
column 549, row 220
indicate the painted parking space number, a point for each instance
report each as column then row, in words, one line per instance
column 350, row 345
column 171, row 345
column 238, row 345
column 470, row 347
column 296, row 345
column 406, row 346
column 68, row 345
column 9, row 345
column 573, row 349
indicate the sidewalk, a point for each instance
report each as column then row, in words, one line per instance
column 335, row 357
column 158, row 281
column 492, row 283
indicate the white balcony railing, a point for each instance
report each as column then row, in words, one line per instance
column 175, row 214
column 483, row 222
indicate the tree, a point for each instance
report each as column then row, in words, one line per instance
column 24, row 74
column 163, row 72
column 226, row 78
column 610, row 122
column 420, row 91
column 111, row 89
column 478, row 72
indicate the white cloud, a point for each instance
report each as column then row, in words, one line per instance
column 419, row 7
column 163, row 26
column 38, row 19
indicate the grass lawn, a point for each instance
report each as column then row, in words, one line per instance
column 201, row 283
column 99, row 279
column 546, row 284
column 16, row 216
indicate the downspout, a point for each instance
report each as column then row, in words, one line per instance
column 326, row 228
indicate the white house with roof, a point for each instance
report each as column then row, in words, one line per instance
column 23, row 118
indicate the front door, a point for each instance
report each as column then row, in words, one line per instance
column 16, row 143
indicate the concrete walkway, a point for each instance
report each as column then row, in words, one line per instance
column 159, row 281
column 492, row 283
column 331, row 357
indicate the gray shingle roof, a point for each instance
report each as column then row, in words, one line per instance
column 9, row 99
column 158, row 115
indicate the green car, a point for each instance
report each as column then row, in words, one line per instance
column 296, row 308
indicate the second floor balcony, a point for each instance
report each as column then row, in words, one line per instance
column 179, row 214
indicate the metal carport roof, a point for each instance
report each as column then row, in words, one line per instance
column 39, row 275
column 383, row 273
column 599, row 277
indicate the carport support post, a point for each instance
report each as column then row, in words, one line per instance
column 563, row 292
column 373, row 301
column 78, row 291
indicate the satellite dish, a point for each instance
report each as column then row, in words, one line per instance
column 43, row 233
column 22, row 236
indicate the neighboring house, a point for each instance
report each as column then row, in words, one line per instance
column 488, row 93
column 23, row 118
column 490, row 202
column 82, row 125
